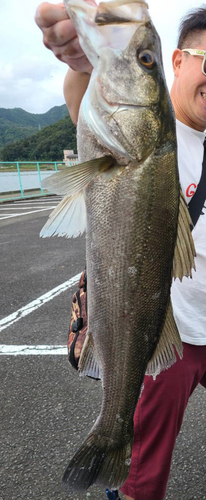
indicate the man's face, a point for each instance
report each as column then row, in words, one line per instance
column 189, row 89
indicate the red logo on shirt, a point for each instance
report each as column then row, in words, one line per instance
column 191, row 190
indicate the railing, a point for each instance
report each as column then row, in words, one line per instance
column 24, row 179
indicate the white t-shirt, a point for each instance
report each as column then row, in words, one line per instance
column 189, row 296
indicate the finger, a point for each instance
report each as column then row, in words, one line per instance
column 59, row 34
column 71, row 50
column 48, row 14
column 72, row 54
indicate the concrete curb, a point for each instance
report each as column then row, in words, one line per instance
column 15, row 197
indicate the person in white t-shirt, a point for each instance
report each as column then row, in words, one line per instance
column 160, row 410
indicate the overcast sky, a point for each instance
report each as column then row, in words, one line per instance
column 32, row 78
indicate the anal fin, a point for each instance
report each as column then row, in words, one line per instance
column 88, row 365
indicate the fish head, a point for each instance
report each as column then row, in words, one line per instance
column 109, row 24
column 130, row 94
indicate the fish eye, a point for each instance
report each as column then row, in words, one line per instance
column 146, row 58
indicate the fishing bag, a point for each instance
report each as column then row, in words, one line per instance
column 78, row 323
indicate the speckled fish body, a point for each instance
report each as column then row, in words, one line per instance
column 131, row 233
column 126, row 123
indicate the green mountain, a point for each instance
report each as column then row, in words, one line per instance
column 16, row 124
column 48, row 144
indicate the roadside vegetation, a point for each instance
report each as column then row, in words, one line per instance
column 17, row 124
column 46, row 145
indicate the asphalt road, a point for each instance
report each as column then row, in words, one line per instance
column 46, row 409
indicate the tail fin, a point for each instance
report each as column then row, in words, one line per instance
column 98, row 461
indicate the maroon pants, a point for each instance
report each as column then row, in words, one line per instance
column 157, row 422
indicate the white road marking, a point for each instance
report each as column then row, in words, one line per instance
column 23, row 208
column 32, row 350
column 26, row 213
column 35, row 304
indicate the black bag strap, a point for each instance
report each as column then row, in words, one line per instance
column 196, row 204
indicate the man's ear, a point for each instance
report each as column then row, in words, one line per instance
column 177, row 61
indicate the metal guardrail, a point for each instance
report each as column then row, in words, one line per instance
column 24, row 179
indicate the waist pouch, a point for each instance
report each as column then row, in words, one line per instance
column 78, row 323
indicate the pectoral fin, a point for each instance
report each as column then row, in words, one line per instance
column 164, row 355
column 71, row 180
column 184, row 254
column 69, row 217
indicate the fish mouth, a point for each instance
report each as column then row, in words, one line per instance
column 120, row 107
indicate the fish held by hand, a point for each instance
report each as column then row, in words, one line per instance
column 137, row 224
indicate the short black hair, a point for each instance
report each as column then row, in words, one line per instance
column 191, row 27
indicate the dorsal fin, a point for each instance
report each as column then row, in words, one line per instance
column 164, row 355
column 184, row 254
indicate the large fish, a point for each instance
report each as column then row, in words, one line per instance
column 137, row 225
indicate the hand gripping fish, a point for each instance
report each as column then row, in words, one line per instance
column 126, row 194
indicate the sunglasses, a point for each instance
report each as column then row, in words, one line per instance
column 198, row 52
